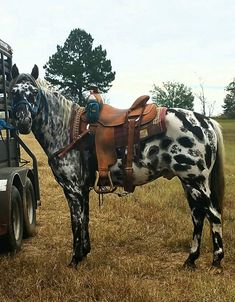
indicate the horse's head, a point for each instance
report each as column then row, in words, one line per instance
column 25, row 103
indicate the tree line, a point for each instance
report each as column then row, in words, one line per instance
column 77, row 65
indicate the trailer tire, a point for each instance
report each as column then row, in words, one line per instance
column 29, row 210
column 12, row 241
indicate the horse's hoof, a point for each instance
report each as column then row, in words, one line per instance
column 73, row 265
column 190, row 266
column 216, row 269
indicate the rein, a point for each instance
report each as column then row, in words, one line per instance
column 75, row 135
column 63, row 151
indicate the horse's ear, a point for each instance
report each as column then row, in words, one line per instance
column 35, row 72
column 14, row 71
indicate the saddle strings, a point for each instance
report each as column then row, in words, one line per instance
column 101, row 199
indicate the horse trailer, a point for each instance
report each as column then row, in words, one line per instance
column 19, row 186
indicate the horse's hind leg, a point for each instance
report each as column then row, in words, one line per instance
column 214, row 217
column 201, row 201
column 198, row 216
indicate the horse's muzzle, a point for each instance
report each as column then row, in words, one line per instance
column 24, row 127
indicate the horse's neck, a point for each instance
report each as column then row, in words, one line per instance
column 51, row 127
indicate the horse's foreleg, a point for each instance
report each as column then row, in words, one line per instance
column 78, row 204
column 85, row 222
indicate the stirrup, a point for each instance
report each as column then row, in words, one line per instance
column 104, row 189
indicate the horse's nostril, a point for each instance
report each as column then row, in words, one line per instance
column 28, row 120
column 24, row 124
column 24, row 128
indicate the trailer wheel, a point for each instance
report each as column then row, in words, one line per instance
column 29, row 208
column 12, row 241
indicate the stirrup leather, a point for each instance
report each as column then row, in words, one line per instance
column 104, row 189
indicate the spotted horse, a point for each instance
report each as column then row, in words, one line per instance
column 191, row 148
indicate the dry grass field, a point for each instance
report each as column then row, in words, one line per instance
column 139, row 244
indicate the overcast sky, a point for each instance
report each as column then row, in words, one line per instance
column 147, row 41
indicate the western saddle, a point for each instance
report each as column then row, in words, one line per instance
column 117, row 128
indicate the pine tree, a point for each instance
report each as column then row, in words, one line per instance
column 76, row 65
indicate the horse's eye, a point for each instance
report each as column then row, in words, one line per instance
column 33, row 90
column 15, row 92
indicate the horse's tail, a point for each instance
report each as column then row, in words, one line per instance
column 217, row 174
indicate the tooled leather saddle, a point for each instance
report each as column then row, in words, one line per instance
column 117, row 128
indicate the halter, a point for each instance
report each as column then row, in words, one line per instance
column 32, row 108
column 22, row 100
